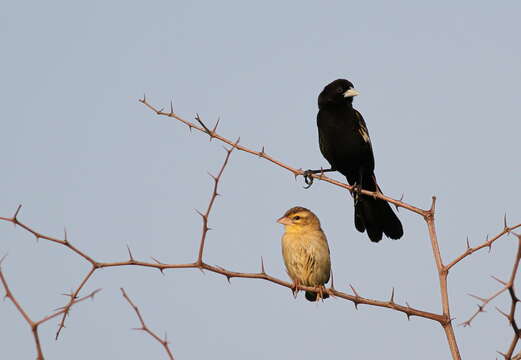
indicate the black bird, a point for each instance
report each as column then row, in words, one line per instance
column 344, row 142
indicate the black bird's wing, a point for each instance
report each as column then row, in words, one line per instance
column 374, row 215
column 345, row 143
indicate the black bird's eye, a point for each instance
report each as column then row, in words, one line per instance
column 296, row 217
column 339, row 90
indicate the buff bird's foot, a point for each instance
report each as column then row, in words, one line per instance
column 295, row 288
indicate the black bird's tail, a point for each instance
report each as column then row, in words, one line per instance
column 376, row 217
column 312, row 296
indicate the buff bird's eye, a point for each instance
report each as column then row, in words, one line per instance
column 296, row 217
column 339, row 90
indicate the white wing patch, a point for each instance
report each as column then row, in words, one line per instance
column 363, row 131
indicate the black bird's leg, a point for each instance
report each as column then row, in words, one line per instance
column 308, row 179
column 378, row 190
column 357, row 187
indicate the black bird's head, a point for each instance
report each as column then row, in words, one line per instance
column 338, row 92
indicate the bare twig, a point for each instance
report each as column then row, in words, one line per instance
column 144, row 327
column 481, row 307
column 38, row 235
column 34, row 324
column 507, row 286
column 486, row 244
column 72, row 298
column 513, row 296
column 442, row 275
column 211, row 202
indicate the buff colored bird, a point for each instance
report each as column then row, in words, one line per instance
column 305, row 251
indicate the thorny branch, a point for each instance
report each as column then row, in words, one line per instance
column 200, row 264
column 212, row 200
column 486, row 244
column 262, row 154
column 144, row 327
column 444, row 319
column 428, row 216
column 442, row 274
column 507, row 286
column 511, row 316
column 229, row 274
column 34, row 324
column 73, row 297
column 482, row 306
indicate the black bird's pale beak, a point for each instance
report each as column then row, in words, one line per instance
column 350, row 93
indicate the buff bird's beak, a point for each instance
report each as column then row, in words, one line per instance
column 284, row 220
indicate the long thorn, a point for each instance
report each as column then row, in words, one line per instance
column 130, row 253
column 483, row 300
column 262, row 266
column 17, row 211
column 498, row 280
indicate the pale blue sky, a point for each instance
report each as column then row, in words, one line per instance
column 439, row 86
